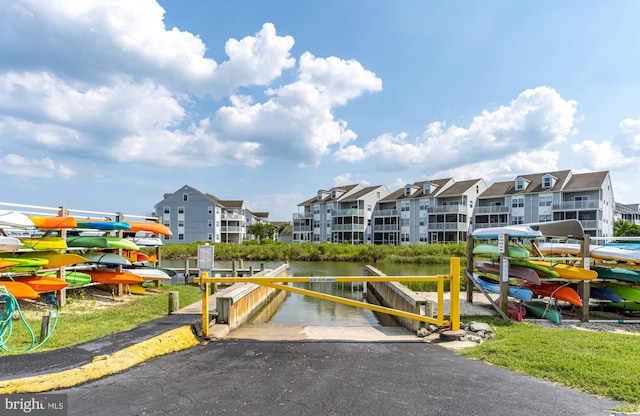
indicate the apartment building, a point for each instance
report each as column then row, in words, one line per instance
column 627, row 212
column 196, row 216
column 432, row 211
column 549, row 196
column 341, row 214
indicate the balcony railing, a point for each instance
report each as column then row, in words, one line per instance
column 490, row 224
column 232, row 229
column 299, row 229
column 448, row 226
column 352, row 212
column 494, row 209
column 347, row 227
column 385, row 213
column 386, row 227
column 447, row 209
column 233, row 217
column 577, row 205
column 302, row 216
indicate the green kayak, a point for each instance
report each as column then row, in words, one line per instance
column 87, row 241
column 543, row 310
column 486, row 249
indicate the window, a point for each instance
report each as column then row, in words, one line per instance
column 544, row 218
column 517, row 202
column 180, row 236
column 424, row 205
column 518, row 220
column 185, row 197
column 520, row 184
column 167, row 210
column 545, row 200
column 209, row 210
column 181, row 223
column 210, row 224
column 180, row 210
column 404, row 206
column 369, row 208
column 547, row 182
column 209, row 236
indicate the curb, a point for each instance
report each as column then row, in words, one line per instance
column 102, row 365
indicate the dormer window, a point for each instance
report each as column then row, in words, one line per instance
column 426, row 189
column 520, row 184
column 407, row 190
column 548, row 181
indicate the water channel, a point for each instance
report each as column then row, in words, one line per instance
column 303, row 310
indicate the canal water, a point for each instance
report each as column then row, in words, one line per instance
column 304, row 310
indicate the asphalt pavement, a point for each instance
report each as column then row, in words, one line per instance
column 162, row 368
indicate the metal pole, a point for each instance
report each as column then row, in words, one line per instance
column 205, row 306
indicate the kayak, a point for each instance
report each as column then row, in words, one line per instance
column 566, row 271
column 112, row 277
column 515, row 272
column 543, row 310
column 554, row 290
column 74, row 278
column 486, row 249
column 18, row 290
column 43, row 283
column 493, row 286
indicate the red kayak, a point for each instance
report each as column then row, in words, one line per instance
column 556, row 291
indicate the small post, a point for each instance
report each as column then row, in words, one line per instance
column 454, row 293
column 503, row 242
column 234, row 271
column 174, row 302
column 186, row 272
column 205, row 304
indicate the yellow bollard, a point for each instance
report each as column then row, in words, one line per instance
column 454, row 293
column 205, row 305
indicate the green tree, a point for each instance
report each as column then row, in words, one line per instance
column 261, row 230
column 623, row 228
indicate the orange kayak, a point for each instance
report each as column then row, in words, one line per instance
column 554, row 290
column 19, row 290
column 7, row 263
column 56, row 259
column 43, row 283
column 150, row 227
column 54, row 223
column 113, row 278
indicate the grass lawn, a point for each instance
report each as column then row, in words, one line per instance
column 91, row 313
column 601, row 363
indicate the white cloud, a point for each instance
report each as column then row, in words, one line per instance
column 600, row 156
column 17, row 165
column 538, row 119
column 631, row 129
column 348, row 179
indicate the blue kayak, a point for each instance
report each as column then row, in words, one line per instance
column 493, row 286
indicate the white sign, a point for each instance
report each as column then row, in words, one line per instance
column 205, row 257
column 501, row 243
column 505, row 269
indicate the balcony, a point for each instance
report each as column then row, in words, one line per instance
column 386, row 227
column 494, row 209
column 300, row 229
column 231, row 229
column 577, row 205
column 385, row 213
column 233, row 217
column 448, row 226
column 448, row 209
column 490, row 224
column 302, row 216
column 352, row 212
column 347, row 227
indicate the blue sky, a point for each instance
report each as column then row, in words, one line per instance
column 107, row 105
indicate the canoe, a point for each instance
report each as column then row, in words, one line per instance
column 54, row 223
column 115, row 278
column 493, row 286
column 18, row 290
column 56, row 259
column 117, row 242
column 9, row 243
column 103, row 225
column 515, row 272
column 486, row 249
column 566, row 271
column 25, row 264
column 543, row 311
column 148, row 273
column 15, row 219
column 556, row 291
column 542, row 271
column 626, row 292
column 108, row 259
column 135, row 256
column 44, row 243
column 617, row 273
column 514, row 231
column 150, row 227
column 595, row 251
column 43, row 283
column 4, row 263
column 74, row 278
column 147, row 241
column 627, row 306
column 600, row 293
column 130, row 289
column 87, row 241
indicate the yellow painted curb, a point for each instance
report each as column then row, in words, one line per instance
column 175, row 340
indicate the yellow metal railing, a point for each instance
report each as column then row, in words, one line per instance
column 275, row 282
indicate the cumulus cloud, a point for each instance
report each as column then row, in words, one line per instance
column 41, row 168
column 537, row 119
column 348, row 179
column 600, row 156
column 631, row 128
